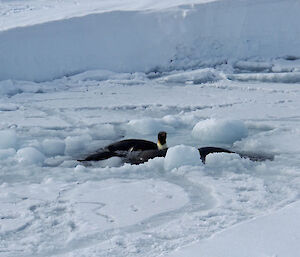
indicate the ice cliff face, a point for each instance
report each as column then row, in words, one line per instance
column 125, row 41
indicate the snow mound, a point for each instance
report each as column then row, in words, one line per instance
column 199, row 76
column 8, row 107
column 220, row 131
column 181, row 155
column 147, row 126
column 11, row 88
column 30, row 155
column 227, row 161
column 53, row 147
column 8, row 139
column 289, row 77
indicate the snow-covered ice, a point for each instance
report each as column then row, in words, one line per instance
column 19, row 13
column 78, row 75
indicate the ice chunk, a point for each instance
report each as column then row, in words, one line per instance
column 220, row 131
column 181, row 155
column 220, row 160
column 148, row 126
column 8, row 139
column 103, row 131
column 5, row 153
column 30, row 155
column 77, row 144
column 53, row 147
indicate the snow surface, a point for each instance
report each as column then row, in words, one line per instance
column 53, row 205
column 128, row 70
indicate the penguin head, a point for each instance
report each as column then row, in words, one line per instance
column 162, row 140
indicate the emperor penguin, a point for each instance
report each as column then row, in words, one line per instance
column 123, row 147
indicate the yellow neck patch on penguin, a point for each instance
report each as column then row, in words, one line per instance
column 161, row 147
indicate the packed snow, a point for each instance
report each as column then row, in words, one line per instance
column 275, row 234
column 76, row 76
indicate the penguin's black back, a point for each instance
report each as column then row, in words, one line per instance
column 132, row 144
column 120, row 149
